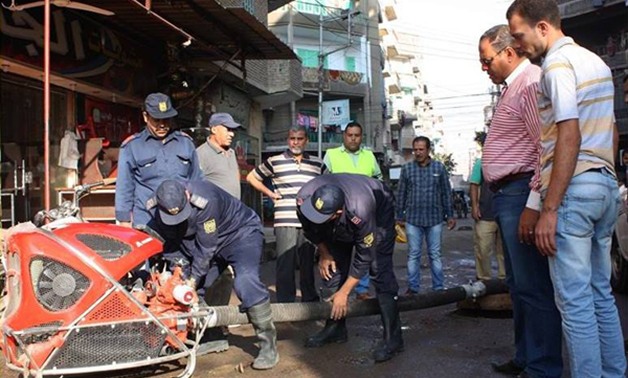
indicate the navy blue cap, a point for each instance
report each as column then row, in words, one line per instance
column 224, row 119
column 323, row 204
column 172, row 202
column 159, row 106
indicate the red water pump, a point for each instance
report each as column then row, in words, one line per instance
column 76, row 305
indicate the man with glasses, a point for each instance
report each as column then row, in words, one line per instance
column 509, row 161
column 149, row 157
column 577, row 208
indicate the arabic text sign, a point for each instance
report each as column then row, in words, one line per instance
column 336, row 112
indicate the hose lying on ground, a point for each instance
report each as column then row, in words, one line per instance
column 294, row 312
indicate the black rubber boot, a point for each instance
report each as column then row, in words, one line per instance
column 335, row 331
column 393, row 341
column 261, row 317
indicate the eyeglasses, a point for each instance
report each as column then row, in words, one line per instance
column 489, row 61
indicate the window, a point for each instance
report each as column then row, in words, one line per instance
column 310, row 58
column 308, row 6
column 316, row 6
column 249, row 6
column 350, row 63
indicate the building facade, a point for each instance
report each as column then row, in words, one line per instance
column 342, row 34
column 408, row 104
column 218, row 56
column 602, row 27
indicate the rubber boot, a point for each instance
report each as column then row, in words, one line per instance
column 393, row 341
column 261, row 317
column 335, row 331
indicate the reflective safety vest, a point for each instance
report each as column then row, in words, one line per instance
column 342, row 162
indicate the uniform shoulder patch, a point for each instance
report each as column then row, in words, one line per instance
column 129, row 139
column 368, row 240
column 210, row 226
column 152, row 202
column 198, row 201
column 356, row 220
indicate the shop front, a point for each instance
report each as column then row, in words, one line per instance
column 98, row 78
column 101, row 69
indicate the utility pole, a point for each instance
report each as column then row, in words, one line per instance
column 293, row 107
column 321, row 63
column 495, row 93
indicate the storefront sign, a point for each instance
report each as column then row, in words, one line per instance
column 336, row 112
column 80, row 49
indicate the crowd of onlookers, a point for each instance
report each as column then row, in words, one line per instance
column 544, row 197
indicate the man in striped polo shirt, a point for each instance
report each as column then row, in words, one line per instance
column 509, row 160
column 288, row 172
column 578, row 186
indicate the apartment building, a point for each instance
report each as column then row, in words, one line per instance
column 343, row 36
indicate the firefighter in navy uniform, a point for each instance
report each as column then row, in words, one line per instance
column 149, row 157
column 208, row 229
column 339, row 212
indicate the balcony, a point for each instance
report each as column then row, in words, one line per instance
column 390, row 13
column 406, row 136
column 409, row 81
column 305, row 18
column 284, row 82
column 335, row 81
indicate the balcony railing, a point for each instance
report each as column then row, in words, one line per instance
column 349, row 78
column 332, row 137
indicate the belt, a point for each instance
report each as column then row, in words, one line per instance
column 497, row 185
column 598, row 170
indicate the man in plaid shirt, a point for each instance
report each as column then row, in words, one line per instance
column 424, row 201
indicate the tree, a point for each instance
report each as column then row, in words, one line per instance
column 447, row 161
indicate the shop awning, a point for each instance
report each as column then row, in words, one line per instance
column 216, row 33
column 274, row 4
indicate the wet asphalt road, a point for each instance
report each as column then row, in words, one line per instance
column 439, row 342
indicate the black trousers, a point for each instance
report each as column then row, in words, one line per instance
column 293, row 251
column 380, row 270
